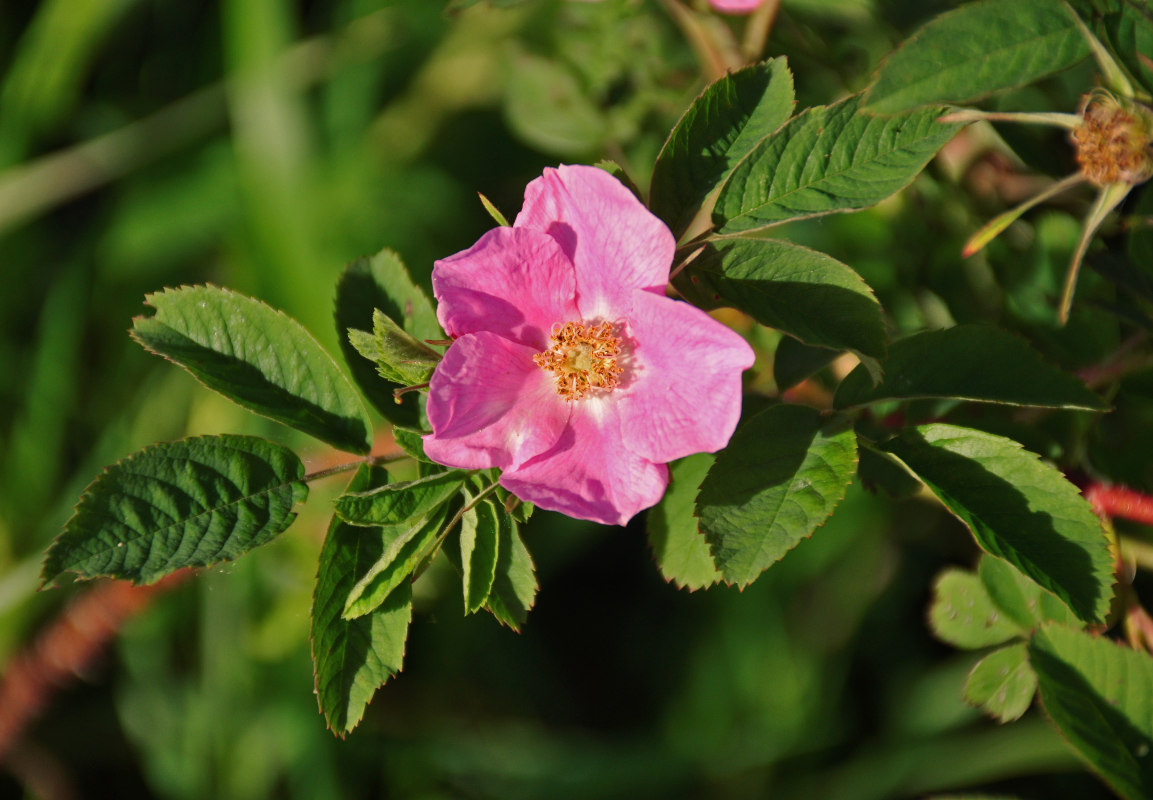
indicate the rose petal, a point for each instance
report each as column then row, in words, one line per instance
column 516, row 283
column 589, row 473
column 736, row 6
column 489, row 405
column 682, row 394
column 615, row 243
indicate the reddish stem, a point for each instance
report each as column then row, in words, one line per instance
column 1117, row 501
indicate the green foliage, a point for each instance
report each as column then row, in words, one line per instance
column 1017, row 508
column 399, row 357
column 721, row 126
column 681, row 551
column 1128, row 28
column 190, row 503
column 1002, row 683
column 382, row 283
column 828, row 159
column 354, row 657
column 514, row 584
column 964, row 615
column 977, row 49
column 258, row 357
column 968, row 362
column 1099, row 694
column 480, row 535
column 798, row 291
column 782, row 475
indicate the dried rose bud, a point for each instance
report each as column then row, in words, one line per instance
column 1114, row 140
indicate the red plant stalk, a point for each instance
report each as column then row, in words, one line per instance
column 1117, row 501
column 67, row 648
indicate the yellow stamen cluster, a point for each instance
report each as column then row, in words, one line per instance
column 1114, row 143
column 582, row 359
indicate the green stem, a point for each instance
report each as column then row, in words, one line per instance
column 372, row 461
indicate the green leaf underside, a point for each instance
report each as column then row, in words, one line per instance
column 1099, row 693
column 964, row 615
column 354, row 657
column 1017, row 508
column 1019, row 597
column 399, row 503
column 681, row 551
column 514, row 584
column 479, row 546
column 404, row 547
column 721, row 126
column 189, row 503
column 781, row 476
column 382, row 282
column 398, row 356
column 801, row 292
column 828, row 159
column 259, row 358
column 794, row 361
column 968, row 362
column 977, row 49
column 1002, row 683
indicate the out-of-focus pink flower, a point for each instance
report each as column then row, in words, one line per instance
column 570, row 369
column 736, row 6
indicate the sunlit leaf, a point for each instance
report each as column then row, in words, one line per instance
column 258, row 357
column 1019, row 597
column 963, row 614
column 720, row 127
column 1018, row 508
column 781, row 476
column 398, row 356
column 354, row 657
column 1099, row 693
column 480, row 537
column 190, row 503
column 798, row 291
column 399, row 503
column 977, row 49
column 968, row 362
column 827, row 159
column 514, row 585
column 681, row 551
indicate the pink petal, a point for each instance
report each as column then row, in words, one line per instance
column 615, row 243
column 490, row 406
column 516, row 283
column 683, row 393
column 589, row 473
column 736, row 6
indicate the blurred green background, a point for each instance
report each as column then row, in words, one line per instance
column 261, row 145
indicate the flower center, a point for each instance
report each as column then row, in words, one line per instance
column 1114, row 143
column 582, row 358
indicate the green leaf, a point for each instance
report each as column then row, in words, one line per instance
column 382, row 282
column 190, row 503
column 404, row 547
column 399, row 503
column 410, row 441
column 258, row 357
column 795, row 361
column 398, row 356
column 721, row 126
column 1002, row 683
column 977, row 49
column 1019, row 597
column 968, row 362
column 480, row 535
column 827, row 159
column 781, row 476
column 1099, row 693
column 514, row 584
column 1018, row 508
column 354, row 657
column 680, row 548
column 798, row 291
column 963, row 614
column 1129, row 32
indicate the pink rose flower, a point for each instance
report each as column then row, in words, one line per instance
column 570, row 369
column 736, row 6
